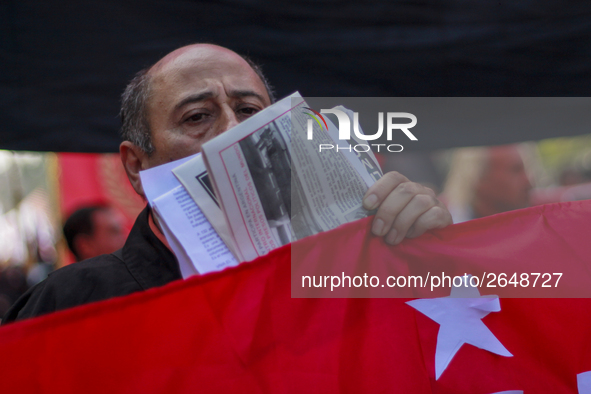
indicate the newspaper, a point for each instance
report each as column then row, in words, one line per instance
column 273, row 184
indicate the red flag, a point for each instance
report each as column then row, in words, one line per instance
column 88, row 178
column 240, row 330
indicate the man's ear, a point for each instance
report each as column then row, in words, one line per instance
column 134, row 160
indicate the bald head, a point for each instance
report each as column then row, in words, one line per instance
column 196, row 53
column 187, row 98
column 504, row 184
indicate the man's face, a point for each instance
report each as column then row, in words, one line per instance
column 197, row 93
column 108, row 234
column 505, row 184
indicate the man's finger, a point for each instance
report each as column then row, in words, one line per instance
column 416, row 207
column 436, row 217
column 394, row 203
column 380, row 190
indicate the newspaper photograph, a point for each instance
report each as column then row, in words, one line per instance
column 268, row 160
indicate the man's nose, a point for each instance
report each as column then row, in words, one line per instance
column 229, row 118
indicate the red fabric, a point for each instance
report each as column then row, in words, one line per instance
column 240, row 331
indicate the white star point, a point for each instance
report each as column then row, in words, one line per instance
column 460, row 319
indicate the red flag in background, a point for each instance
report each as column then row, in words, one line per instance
column 240, row 330
column 89, row 179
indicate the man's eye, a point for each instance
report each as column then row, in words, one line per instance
column 248, row 111
column 196, row 117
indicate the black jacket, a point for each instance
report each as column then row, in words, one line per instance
column 143, row 262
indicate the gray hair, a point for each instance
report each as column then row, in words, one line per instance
column 135, row 126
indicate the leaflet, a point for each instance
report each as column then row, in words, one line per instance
column 194, row 177
column 194, row 246
column 197, row 238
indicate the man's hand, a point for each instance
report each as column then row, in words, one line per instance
column 405, row 208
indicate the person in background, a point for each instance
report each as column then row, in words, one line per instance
column 94, row 230
column 485, row 181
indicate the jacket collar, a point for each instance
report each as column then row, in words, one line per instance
column 148, row 260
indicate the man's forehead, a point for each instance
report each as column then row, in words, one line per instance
column 197, row 58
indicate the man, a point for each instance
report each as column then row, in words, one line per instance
column 486, row 181
column 94, row 230
column 168, row 111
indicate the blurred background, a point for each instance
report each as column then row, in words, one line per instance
column 64, row 64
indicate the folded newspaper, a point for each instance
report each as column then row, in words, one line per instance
column 258, row 186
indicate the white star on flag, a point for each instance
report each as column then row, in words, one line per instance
column 459, row 317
